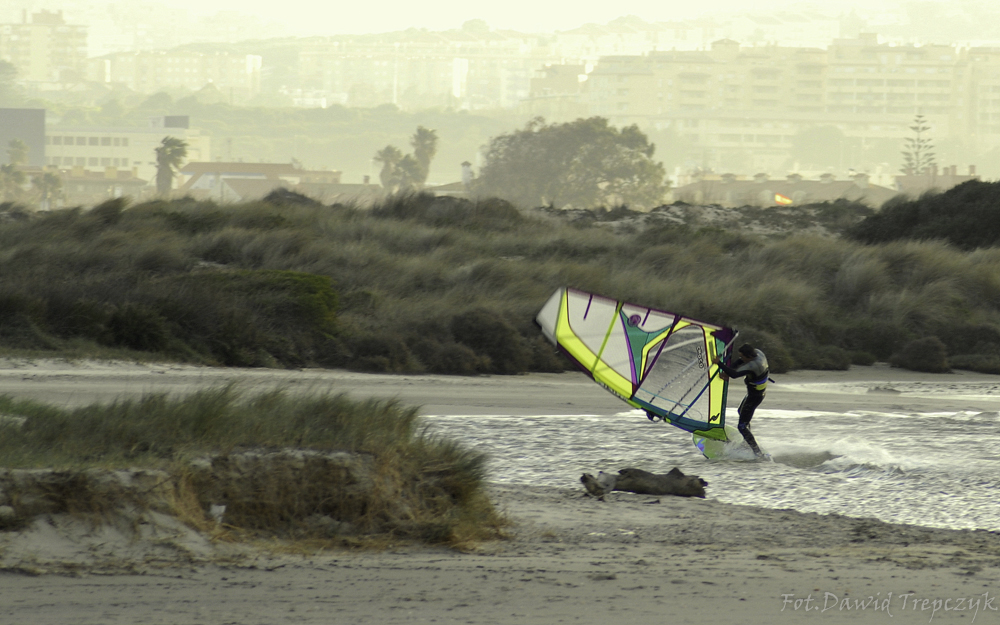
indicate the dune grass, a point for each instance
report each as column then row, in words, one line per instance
column 393, row 288
column 422, row 487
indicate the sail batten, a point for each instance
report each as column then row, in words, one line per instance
column 659, row 361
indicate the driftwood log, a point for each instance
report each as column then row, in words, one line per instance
column 645, row 483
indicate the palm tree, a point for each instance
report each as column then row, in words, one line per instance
column 17, row 152
column 389, row 156
column 11, row 183
column 424, row 144
column 169, row 156
column 49, row 187
column 410, row 174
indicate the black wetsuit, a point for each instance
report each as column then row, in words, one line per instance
column 756, row 373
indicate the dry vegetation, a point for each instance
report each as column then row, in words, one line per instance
column 423, row 284
column 318, row 466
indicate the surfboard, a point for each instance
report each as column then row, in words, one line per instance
column 736, row 448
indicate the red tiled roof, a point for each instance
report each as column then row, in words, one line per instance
column 267, row 169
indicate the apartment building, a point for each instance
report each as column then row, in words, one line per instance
column 453, row 68
column 45, row 49
column 557, row 93
column 235, row 75
column 983, row 96
column 734, row 101
column 97, row 149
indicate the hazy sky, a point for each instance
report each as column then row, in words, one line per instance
column 319, row 17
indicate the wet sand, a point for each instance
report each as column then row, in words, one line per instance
column 569, row 559
column 860, row 388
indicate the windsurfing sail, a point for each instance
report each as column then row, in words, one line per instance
column 659, row 361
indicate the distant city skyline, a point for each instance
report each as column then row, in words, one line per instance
column 306, row 17
column 522, row 15
column 160, row 24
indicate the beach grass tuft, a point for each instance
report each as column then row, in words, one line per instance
column 305, row 465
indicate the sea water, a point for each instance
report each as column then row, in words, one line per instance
column 932, row 469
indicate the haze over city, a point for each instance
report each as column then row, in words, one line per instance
column 310, row 18
column 305, row 17
column 721, row 88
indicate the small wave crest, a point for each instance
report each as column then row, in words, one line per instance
column 849, row 455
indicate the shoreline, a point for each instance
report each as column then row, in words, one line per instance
column 569, row 557
column 74, row 384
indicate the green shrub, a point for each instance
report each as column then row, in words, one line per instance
column 880, row 337
column 546, row 358
column 969, row 338
column 965, row 216
column 449, row 358
column 200, row 222
column 927, row 354
column 162, row 259
column 779, row 357
column 137, row 327
column 823, row 358
column 20, row 327
column 67, row 316
column 859, row 276
column 378, row 352
column 209, row 272
column 490, row 335
column 982, row 363
column 108, row 213
column 245, row 318
column 863, row 358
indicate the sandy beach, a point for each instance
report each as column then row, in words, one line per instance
column 569, row 558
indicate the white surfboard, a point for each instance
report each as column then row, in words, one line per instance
column 736, row 448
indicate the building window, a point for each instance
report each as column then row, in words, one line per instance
column 105, row 162
column 92, row 141
column 105, row 140
column 56, row 140
column 81, row 161
column 81, row 140
column 92, row 162
column 118, row 141
column 124, row 142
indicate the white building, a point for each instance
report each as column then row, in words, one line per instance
column 45, row 50
column 97, row 149
column 235, row 75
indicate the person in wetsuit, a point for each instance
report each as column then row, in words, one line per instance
column 752, row 365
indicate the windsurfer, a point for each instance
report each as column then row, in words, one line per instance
column 752, row 365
